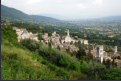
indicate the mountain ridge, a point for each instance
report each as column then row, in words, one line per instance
column 44, row 18
column 14, row 14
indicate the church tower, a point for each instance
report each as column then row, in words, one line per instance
column 115, row 49
column 99, row 55
column 68, row 33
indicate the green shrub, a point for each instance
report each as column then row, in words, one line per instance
column 74, row 66
column 83, row 67
column 57, row 57
column 44, row 62
column 31, row 44
column 8, row 33
column 78, row 75
column 61, row 72
column 95, row 69
column 64, row 62
column 35, row 55
column 115, row 74
column 53, row 67
column 50, row 66
column 19, row 45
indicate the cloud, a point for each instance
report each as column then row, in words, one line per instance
column 32, row 1
column 97, row 2
column 81, row 6
column 71, row 8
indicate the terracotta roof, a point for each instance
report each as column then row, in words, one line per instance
column 46, row 33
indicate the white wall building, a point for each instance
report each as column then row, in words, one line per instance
column 99, row 53
column 114, row 48
column 23, row 34
column 69, row 39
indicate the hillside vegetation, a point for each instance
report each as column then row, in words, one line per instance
column 13, row 13
column 30, row 60
column 43, row 18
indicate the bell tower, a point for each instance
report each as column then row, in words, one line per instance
column 99, row 54
column 115, row 49
column 68, row 33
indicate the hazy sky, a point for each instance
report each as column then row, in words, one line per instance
column 73, row 9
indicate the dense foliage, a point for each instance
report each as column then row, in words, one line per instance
column 29, row 27
column 31, row 44
column 30, row 60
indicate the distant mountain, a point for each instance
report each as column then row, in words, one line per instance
column 60, row 17
column 111, row 17
column 43, row 18
column 13, row 13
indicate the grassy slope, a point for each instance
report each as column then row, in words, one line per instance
column 18, row 63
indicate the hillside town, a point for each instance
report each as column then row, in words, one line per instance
column 60, row 40
column 64, row 43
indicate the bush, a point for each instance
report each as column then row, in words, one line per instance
column 56, row 57
column 8, row 33
column 53, row 67
column 39, row 58
column 64, row 62
column 19, row 45
column 74, row 66
column 78, row 75
column 115, row 74
column 96, row 69
column 44, row 62
column 31, row 44
column 83, row 67
column 62, row 72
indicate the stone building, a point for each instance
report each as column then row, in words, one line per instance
column 69, row 39
column 99, row 53
column 114, row 48
column 63, row 42
column 65, row 39
column 23, row 34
